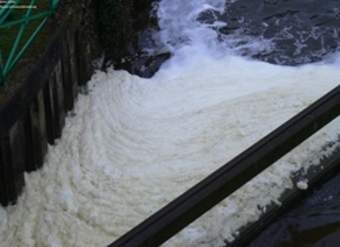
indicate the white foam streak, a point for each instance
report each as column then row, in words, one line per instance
column 179, row 25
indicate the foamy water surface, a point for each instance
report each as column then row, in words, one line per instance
column 136, row 144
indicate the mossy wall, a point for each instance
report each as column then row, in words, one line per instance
column 119, row 25
column 115, row 26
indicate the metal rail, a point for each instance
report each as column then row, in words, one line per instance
column 209, row 192
column 8, row 61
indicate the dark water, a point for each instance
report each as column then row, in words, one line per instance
column 298, row 31
column 313, row 222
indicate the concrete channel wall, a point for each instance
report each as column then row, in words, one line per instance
column 35, row 114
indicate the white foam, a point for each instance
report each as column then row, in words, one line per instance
column 302, row 185
column 135, row 144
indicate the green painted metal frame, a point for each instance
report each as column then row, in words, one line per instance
column 15, row 53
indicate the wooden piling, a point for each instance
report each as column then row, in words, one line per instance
column 35, row 115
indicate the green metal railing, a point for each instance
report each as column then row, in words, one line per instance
column 25, row 13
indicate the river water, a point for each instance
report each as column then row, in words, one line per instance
column 133, row 144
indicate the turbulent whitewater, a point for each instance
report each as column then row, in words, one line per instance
column 135, row 144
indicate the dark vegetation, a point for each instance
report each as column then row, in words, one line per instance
column 8, row 35
column 7, row 38
column 124, row 29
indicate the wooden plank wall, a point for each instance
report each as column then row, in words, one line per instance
column 35, row 116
